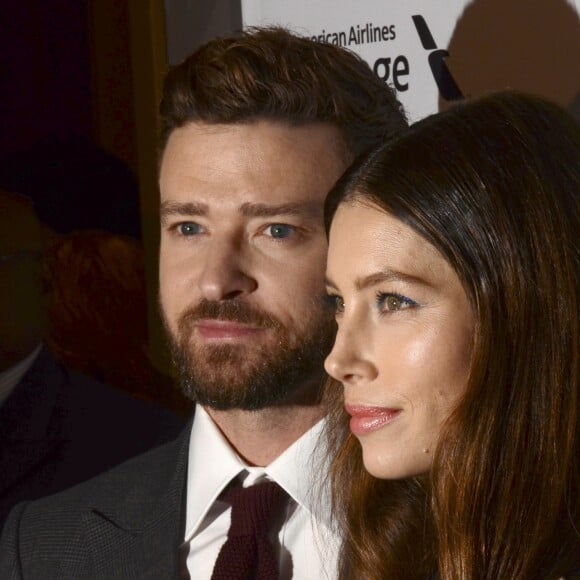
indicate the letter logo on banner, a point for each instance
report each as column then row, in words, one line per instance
column 382, row 69
column 433, row 53
column 397, row 39
column 443, row 78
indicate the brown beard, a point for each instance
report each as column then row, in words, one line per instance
column 233, row 376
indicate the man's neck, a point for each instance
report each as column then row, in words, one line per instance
column 261, row 436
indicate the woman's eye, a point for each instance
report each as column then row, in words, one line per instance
column 393, row 302
column 335, row 302
column 189, row 229
column 279, row 231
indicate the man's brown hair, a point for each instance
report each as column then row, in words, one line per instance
column 269, row 73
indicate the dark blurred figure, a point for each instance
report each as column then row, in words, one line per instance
column 97, row 315
column 57, row 428
column 75, row 185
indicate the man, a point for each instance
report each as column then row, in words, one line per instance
column 257, row 130
column 57, row 428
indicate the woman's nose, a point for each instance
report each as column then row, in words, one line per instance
column 350, row 361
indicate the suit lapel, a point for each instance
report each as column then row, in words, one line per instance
column 136, row 532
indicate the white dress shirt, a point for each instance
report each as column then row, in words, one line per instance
column 12, row 376
column 308, row 545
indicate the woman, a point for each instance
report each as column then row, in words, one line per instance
column 454, row 271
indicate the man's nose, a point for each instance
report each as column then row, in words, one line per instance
column 226, row 274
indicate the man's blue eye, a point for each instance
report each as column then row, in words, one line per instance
column 280, row 231
column 189, row 229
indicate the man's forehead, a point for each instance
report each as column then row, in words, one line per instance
column 248, row 165
column 261, row 131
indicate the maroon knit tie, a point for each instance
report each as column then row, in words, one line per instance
column 247, row 553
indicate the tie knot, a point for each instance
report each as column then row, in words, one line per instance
column 254, row 508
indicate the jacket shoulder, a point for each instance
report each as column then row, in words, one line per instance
column 65, row 535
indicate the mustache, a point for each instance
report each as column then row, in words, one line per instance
column 229, row 310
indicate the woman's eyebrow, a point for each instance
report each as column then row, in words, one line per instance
column 364, row 282
column 361, row 283
column 329, row 283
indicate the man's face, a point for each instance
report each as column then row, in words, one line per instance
column 242, row 261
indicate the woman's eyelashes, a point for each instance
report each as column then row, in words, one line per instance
column 334, row 302
column 386, row 302
column 392, row 302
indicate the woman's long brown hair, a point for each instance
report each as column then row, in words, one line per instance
column 494, row 185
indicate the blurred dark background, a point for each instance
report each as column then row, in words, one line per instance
column 67, row 112
column 80, row 82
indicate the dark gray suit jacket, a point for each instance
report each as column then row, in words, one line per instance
column 59, row 428
column 125, row 524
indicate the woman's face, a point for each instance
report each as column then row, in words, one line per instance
column 405, row 333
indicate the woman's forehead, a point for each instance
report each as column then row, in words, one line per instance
column 376, row 239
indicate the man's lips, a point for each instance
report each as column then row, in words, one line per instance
column 225, row 330
column 365, row 419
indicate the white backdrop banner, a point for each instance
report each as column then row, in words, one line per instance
column 404, row 41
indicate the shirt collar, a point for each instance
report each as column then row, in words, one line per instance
column 213, row 463
column 10, row 378
column 301, row 472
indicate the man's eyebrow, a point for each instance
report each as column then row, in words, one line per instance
column 168, row 208
column 189, row 209
column 272, row 210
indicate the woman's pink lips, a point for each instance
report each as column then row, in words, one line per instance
column 366, row 419
column 225, row 330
